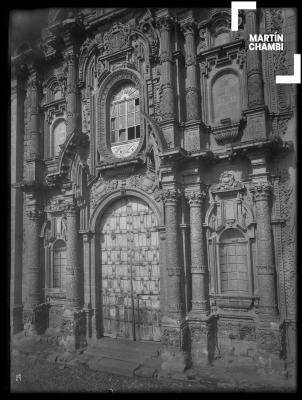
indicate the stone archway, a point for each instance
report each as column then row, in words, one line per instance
column 129, row 273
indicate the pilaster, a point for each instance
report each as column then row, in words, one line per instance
column 71, row 58
column 198, row 267
column 35, row 165
column 74, row 323
column 192, row 110
column 256, row 114
column 16, row 217
column 174, row 329
column 33, row 270
column 268, row 330
column 168, row 124
column 174, row 268
column 254, row 74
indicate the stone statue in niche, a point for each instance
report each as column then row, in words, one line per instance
column 63, row 227
column 203, row 42
column 146, row 26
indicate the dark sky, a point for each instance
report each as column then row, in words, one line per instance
column 25, row 25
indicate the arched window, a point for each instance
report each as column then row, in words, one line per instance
column 59, row 264
column 124, row 120
column 233, row 263
column 222, row 37
column 226, row 98
column 58, row 137
column 57, row 94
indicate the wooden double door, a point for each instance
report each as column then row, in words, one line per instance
column 129, row 271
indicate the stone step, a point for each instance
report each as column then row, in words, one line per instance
column 113, row 366
column 122, row 350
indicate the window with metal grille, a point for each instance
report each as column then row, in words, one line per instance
column 59, row 263
column 125, row 114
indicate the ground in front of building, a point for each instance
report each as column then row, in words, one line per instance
column 38, row 366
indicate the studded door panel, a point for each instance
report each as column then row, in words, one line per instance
column 130, row 271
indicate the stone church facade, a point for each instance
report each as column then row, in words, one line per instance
column 153, row 183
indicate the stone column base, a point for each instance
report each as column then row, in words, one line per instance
column 91, row 329
column 16, row 319
column 268, row 337
column 289, row 347
column 29, row 322
column 195, row 136
column 175, row 349
column 36, row 319
column 73, row 330
column 202, row 339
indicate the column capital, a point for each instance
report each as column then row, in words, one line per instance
column 195, row 198
column 165, row 23
column 170, row 196
column 261, row 190
column 71, row 209
column 265, row 269
column 250, row 11
column 34, row 80
column 71, row 56
column 188, row 27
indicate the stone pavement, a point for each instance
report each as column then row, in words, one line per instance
column 141, row 360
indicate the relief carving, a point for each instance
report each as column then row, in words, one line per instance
column 147, row 182
column 116, row 39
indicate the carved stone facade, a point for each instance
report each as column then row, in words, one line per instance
column 189, row 238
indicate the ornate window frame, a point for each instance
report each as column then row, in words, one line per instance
column 52, row 265
column 106, row 90
column 218, row 243
column 228, row 209
column 51, row 236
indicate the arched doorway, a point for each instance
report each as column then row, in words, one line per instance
column 129, row 270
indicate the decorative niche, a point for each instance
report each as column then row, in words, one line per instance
column 216, row 30
column 222, row 74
